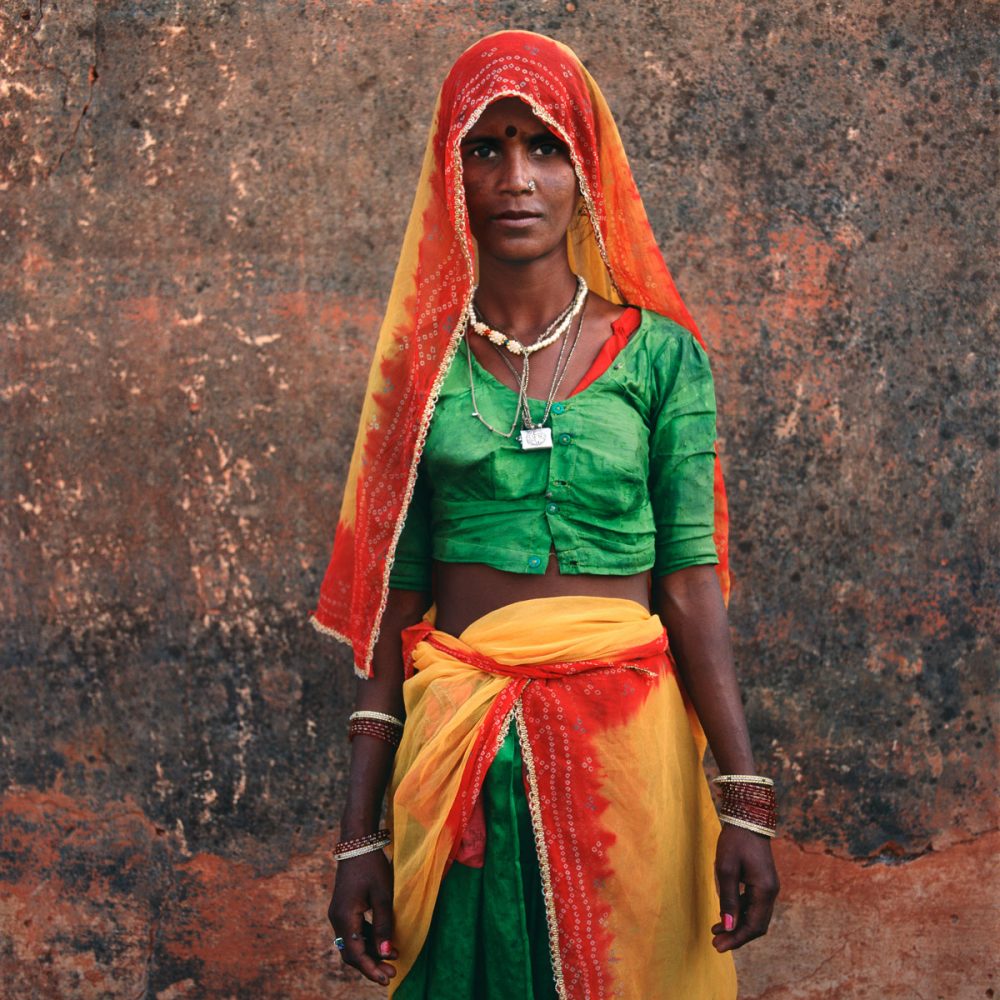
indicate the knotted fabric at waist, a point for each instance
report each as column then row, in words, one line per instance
column 546, row 638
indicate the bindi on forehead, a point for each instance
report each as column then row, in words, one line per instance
column 510, row 131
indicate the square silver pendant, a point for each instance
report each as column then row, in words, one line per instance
column 533, row 438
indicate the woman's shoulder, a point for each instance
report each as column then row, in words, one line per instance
column 663, row 326
column 665, row 339
column 672, row 355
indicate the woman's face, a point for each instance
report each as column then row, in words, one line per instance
column 511, row 219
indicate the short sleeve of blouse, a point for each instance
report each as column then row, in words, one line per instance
column 682, row 457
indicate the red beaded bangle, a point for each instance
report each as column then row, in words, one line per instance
column 748, row 801
column 384, row 731
column 357, row 846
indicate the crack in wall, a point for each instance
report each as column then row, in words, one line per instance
column 92, row 77
column 41, row 17
column 91, row 80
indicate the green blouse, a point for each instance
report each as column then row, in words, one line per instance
column 626, row 487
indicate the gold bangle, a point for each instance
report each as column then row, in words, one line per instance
column 375, row 717
column 747, row 825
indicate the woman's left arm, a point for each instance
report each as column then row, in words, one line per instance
column 689, row 603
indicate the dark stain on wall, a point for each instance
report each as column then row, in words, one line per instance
column 200, row 213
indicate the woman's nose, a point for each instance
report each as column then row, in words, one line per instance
column 516, row 177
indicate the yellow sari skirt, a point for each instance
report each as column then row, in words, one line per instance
column 623, row 820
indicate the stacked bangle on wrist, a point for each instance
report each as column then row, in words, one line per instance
column 748, row 802
column 381, row 725
column 357, row 846
column 364, row 713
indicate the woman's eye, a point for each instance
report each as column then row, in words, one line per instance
column 549, row 148
column 483, row 152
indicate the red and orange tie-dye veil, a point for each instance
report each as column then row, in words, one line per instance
column 612, row 247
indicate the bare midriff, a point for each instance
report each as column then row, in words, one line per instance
column 465, row 592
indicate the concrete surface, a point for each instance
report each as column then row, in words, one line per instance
column 200, row 210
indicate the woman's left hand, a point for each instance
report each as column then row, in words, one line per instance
column 743, row 856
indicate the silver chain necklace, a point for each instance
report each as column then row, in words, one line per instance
column 533, row 436
column 538, row 435
column 475, row 406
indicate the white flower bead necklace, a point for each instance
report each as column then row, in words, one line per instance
column 552, row 333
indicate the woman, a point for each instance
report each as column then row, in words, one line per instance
column 536, row 467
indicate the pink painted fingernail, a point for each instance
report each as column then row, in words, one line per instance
column 728, row 922
column 385, row 948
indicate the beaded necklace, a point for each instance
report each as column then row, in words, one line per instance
column 552, row 332
column 533, row 436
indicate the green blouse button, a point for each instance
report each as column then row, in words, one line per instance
column 565, row 438
column 552, row 508
column 558, row 407
column 534, row 562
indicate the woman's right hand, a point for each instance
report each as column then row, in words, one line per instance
column 365, row 883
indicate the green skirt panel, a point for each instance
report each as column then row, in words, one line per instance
column 488, row 938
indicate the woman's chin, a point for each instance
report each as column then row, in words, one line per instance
column 519, row 251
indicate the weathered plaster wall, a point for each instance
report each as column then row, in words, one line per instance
column 200, row 210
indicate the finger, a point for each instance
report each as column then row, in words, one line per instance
column 371, row 950
column 758, row 905
column 351, row 928
column 727, row 872
column 382, row 927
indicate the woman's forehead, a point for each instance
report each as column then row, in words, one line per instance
column 511, row 112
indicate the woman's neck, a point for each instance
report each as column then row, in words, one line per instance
column 522, row 299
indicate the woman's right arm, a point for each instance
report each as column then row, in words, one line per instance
column 365, row 882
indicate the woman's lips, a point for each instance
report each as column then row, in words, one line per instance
column 516, row 220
